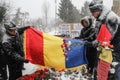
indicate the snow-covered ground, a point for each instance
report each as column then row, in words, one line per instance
column 29, row 68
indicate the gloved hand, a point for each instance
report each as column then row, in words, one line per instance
column 95, row 43
column 89, row 44
column 27, row 27
column 26, row 61
column 76, row 38
column 22, row 29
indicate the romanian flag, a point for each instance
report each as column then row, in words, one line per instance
column 104, row 34
column 105, row 57
column 51, row 51
column 104, row 64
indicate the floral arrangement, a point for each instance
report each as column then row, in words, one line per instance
column 81, row 74
column 53, row 74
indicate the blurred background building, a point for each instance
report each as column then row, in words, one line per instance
column 116, row 7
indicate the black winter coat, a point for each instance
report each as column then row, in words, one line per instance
column 12, row 47
column 2, row 56
column 88, row 34
column 112, row 21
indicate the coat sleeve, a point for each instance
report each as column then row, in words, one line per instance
column 112, row 25
column 81, row 34
column 9, row 51
column 21, row 30
column 91, row 36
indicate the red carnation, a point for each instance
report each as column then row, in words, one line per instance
column 46, row 70
column 42, row 76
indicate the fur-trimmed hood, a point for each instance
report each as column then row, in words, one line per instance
column 111, row 19
column 87, row 19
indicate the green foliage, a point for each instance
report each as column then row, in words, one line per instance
column 85, row 10
column 67, row 12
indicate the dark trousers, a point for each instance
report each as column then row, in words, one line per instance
column 117, row 72
column 15, row 71
column 91, row 54
column 3, row 72
column 116, row 57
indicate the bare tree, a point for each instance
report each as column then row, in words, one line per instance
column 20, row 18
column 5, row 9
column 45, row 9
column 16, row 19
column 38, row 24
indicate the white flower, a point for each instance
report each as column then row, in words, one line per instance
column 114, row 64
column 112, row 70
column 69, row 43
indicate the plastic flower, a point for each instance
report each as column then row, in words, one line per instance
column 114, row 64
column 112, row 70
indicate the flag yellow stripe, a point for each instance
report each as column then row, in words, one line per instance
column 24, row 43
column 106, row 55
column 53, row 52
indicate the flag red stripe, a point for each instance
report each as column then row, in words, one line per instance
column 104, row 34
column 103, row 69
column 34, row 39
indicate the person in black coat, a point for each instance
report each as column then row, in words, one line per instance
column 3, row 69
column 13, row 50
column 88, row 33
column 104, row 15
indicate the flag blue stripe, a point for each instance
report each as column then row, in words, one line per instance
column 76, row 56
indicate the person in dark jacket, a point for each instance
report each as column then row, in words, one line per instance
column 108, row 17
column 13, row 50
column 88, row 33
column 3, row 69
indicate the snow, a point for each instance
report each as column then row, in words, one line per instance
column 29, row 68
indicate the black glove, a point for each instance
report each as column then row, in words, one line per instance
column 76, row 38
column 22, row 29
column 95, row 43
column 26, row 61
column 27, row 27
column 89, row 44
